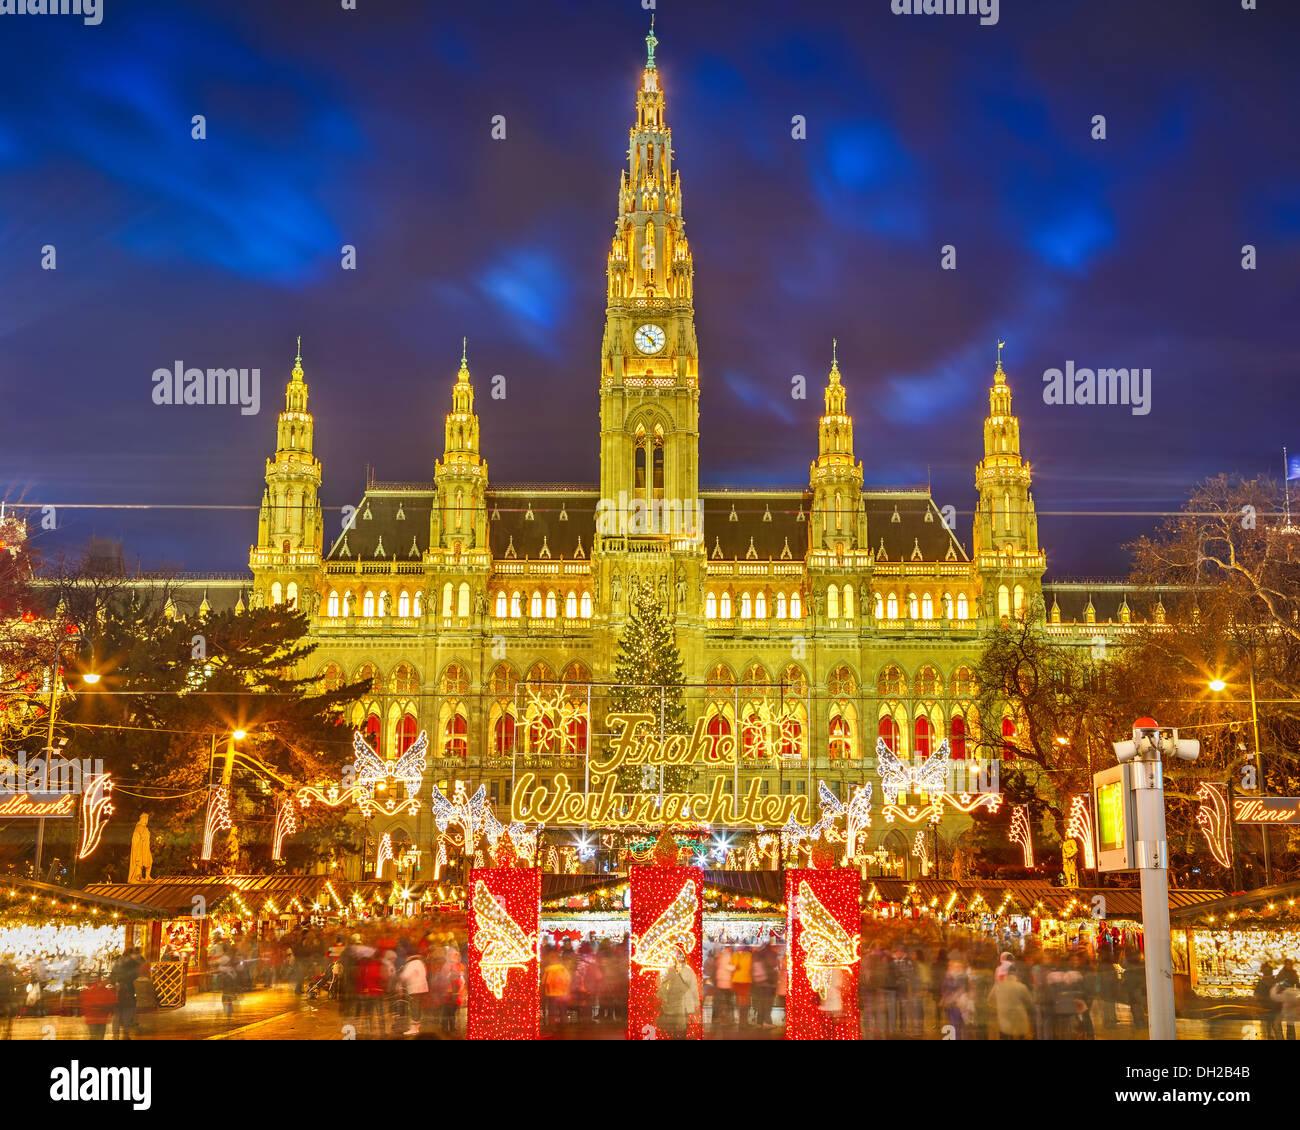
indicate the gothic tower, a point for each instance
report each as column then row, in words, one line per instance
column 1005, row 537
column 459, row 519
column 838, row 523
column 290, row 526
column 649, row 387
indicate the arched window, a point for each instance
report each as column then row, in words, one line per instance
column 516, row 605
column 571, row 605
column 891, row 612
column 962, row 608
column 878, row 607
column 368, row 605
column 924, row 736
column 725, row 609
column 404, row 604
column 277, row 593
column 760, row 606
column 780, row 606
column 1004, row 602
column 552, row 608
column 839, row 514
column 1020, row 602
column 1006, row 510
column 718, row 726
column 456, row 736
column 417, row 605
column 659, row 461
column 535, row 608
column 541, row 735
column 927, row 607
column 841, row 744
column 913, row 608
column 888, row 730
column 745, row 609
column 849, row 610
column 448, row 599
column 577, row 735
column 503, row 605
column 710, row 606
column 332, row 605
column 792, row 739
column 796, row 606
column 407, row 730
column 957, row 738
column 833, row 602
column 503, row 735
column 1008, row 740
column 586, row 606
column 462, row 601
column 291, row 595
column 947, row 605
column 372, row 731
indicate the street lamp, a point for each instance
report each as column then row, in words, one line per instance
column 1217, row 685
column 90, row 678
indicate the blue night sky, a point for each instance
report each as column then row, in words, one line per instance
column 372, row 127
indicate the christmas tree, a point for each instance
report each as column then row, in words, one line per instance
column 649, row 680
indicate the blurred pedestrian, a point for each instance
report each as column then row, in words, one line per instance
column 414, row 980
column 97, row 1004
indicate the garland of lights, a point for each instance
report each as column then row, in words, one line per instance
column 1080, row 828
column 385, row 853
column 96, row 808
column 921, row 850
column 218, row 817
column 1020, row 833
column 823, row 927
column 286, row 823
column 1212, row 819
column 551, row 719
column 504, row 970
column 666, row 915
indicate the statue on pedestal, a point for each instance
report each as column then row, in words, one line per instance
column 140, row 869
column 1070, row 863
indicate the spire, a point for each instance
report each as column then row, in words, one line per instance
column 999, row 376
column 835, row 361
column 462, row 377
column 650, row 44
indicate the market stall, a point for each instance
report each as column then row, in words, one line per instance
column 1222, row 945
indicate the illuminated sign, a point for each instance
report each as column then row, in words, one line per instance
column 25, row 806
column 1113, row 798
column 1266, row 810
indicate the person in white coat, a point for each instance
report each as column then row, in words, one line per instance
column 413, row 978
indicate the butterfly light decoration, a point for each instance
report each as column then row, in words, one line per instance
column 826, row 944
column 899, row 777
column 500, row 940
column 674, row 927
column 374, row 775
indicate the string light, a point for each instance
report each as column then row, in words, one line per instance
column 1080, row 828
column 96, row 808
column 1019, row 833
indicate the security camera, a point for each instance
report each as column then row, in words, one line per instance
column 1125, row 751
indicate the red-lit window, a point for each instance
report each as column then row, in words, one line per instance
column 889, row 731
column 924, row 737
column 792, row 739
column 957, row 741
column 503, row 738
column 406, row 733
column 456, row 736
column 372, row 731
column 751, row 737
column 540, row 734
column 1008, row 740
column 577, row 736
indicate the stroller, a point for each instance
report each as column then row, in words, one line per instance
column 326, row 984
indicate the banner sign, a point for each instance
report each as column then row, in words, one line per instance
column 665, row 996
column 824, row 931
column 27, row 806
column 504, row 1001
column 1266, row 810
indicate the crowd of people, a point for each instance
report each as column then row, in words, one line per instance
column 584, row 984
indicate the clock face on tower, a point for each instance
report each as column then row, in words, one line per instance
column 649, row 339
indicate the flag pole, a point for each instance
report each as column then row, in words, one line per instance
column 1286, row 486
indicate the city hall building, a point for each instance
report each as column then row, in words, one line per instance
column 859, row 612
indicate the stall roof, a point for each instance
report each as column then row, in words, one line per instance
column 175, row 894
column 1249, row 907
column 1026, row 895
column 69, row 903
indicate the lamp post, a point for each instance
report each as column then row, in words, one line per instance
column 1218, row 685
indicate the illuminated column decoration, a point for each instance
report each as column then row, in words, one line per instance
column 1019, row 833
column 218, row 818
column 385, row 853
column 286, row 823
column 823, row 929
column 440, row 858
column 504, row 991
column 921, row 850
column 1212, row 819
column 96, row 808
column 666, row 913
column 1080, row 828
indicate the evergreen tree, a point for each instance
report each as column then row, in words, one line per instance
column 649, row 680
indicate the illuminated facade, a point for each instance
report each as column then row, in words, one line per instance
column 857, row 608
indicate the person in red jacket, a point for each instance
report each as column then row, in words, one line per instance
column 98, row 1000
column 372, row 987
